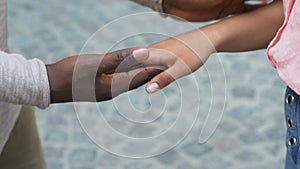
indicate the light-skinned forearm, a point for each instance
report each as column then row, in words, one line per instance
column 187, row 52
column 250, row 31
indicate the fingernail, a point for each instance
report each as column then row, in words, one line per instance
column 140, row 54
column 152, row 88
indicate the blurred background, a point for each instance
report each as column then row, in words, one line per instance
column 249, row 136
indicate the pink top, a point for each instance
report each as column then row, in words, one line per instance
column 284, row 50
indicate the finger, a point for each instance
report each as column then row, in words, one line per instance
column 134, row 61
column 170, row 75
column 251, row 5
column 257, row 2
column 144, row 76
column 159, row 56
column 127, row 57
column 159, row 82
column 126, row 81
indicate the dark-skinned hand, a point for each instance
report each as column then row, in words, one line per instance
column 204, row 10
column 99, row 77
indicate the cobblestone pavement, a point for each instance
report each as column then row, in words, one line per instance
column 249, row 136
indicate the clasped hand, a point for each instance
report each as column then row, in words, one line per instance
column 81, row 73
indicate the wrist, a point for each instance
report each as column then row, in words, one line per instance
column 199, row 42
column 213, row 37
column 58, row 91
column 52, row 81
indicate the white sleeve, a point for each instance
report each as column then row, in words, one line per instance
column 23, row 81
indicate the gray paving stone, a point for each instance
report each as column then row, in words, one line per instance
column 216, row 162
column 54, row 152
column 196, row 150
column 168, row 158
column 227, row 126
column 107, row 160
column 275, row 132
column 242, row 66
column 57, row 136
column 240, row 112
column 249, row 156
column 186, row 166
column 250, row 137
column 256, row 121
column 274, row 149
column 79, row 137
column 139, row 164
column 57, row 121
column 54, row 164
column 52, row 30
column 227, row 144
column 243, row 91
column 81, row 156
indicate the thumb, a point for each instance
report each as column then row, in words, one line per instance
column 122, row 60
column 165, row 78
column 159, row 82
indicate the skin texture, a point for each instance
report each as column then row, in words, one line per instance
column 205, row 10
column 120, row 67
column 180, row 56
column 188, row 52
